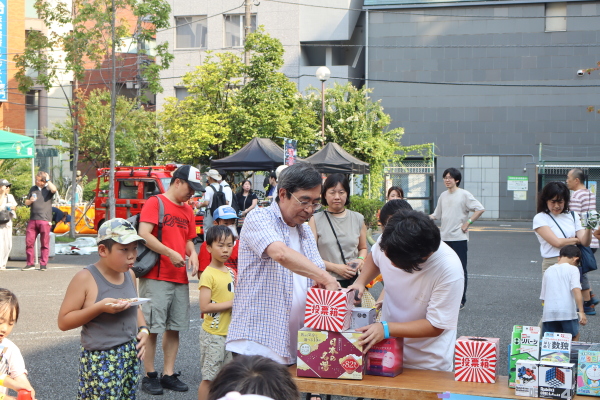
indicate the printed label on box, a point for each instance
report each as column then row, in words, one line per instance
column 556, row 347
column 556, row 380
column 328, row 309
column 362, row 316
column 386, row 358
column 325, row 354
column 525, row 345
column 475, row 359
column 588, row 373
column 526, row 383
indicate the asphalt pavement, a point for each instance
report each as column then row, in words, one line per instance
column 504, row 285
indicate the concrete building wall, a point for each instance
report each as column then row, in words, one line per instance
column 491, row 45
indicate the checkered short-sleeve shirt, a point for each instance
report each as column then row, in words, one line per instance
column 263, row 295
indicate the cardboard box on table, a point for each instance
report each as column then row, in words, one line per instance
column 475, row 359
column 325, row 354
column 329, row 310
column 362, row 316
column 525, row 346
column 527, row 381
column 557, row 380
column 588, row 373
column 556, row 347
column 386, row 358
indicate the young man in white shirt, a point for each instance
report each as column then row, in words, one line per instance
column 424, row 284
column 453, row 209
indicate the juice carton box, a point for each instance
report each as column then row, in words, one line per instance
column 326, row 354
column 588, row 373
column 329, row 310
column 525, row 346
column 386, row 357
column 556, row 347
column 526, row 383
column 557, row 380
column 362, row 316
column 475, row 359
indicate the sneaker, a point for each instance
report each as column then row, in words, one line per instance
column 28, row 267
column 42, row 268
column 172, row 382
column 462, row 306
column 151, row 384
column 594, row 299
column 588, row 308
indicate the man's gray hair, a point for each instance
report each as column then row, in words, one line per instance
column 300, row 176
column 577, row 173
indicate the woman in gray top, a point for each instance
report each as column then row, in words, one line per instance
column 341, row 234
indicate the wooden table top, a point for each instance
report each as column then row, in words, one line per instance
column 412, row 384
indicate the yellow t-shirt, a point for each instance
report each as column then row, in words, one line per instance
column 221, row 286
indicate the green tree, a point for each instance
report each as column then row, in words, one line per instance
column 136, row 140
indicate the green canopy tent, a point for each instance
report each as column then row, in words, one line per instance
column 13, row 145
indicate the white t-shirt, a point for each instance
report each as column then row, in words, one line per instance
column 453, row 210
column 559, row 280
column 296, row 321
column 228, row 192
column 569, row 226
column 11, row 362
column 434, row 293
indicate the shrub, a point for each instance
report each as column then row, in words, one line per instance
column 367, row 207
column 20, row 223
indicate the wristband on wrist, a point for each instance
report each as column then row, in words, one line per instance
column 146, row 331
column 144, row 328
column 360, row 258
column 2, row 377
column 469, row 221
column 386, row 330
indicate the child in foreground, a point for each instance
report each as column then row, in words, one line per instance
column 216, row 299
column 98, row 298
column 561, row 294
column 13, row 374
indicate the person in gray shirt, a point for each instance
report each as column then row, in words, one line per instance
column 453, row 209
column 39, row 199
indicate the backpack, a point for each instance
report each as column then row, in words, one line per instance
column 146, row 258
column 218, row 199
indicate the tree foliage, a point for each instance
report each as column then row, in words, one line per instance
column 589, row 72
column 136, row 140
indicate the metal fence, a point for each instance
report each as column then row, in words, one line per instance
column 557, row 171
column 417, row 180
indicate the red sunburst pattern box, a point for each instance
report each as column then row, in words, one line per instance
column 329, row 310
column 475, row 359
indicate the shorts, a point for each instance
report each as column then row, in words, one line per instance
column 169, row 309
column 568, row 326
column 548, row 262
column 583, row 279
column 212, row 354
column 109, row 374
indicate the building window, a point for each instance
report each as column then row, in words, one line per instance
column 32, row 99
column 556, row 17
column 234, row 29
column 190, row 32
column 181, row 93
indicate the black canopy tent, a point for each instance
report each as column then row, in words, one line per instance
column 259, row 154
column 334, row 159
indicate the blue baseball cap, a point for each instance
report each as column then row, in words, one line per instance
column 225, row 212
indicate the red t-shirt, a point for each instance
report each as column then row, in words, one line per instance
column 204, row 257
column 178, row 227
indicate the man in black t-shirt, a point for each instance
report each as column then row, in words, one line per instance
column 39, row 199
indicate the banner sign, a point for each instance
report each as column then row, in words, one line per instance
column 289, row 155
column 3, row 50
column 517, row 183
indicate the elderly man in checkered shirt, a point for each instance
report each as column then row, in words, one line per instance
column 278, row 262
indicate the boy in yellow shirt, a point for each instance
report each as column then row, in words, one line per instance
column 216, row 299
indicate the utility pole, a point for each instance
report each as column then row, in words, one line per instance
column 113, row 105
column 247, row 31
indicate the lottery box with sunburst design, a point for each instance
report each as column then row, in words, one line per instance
column 476, row 359
column 329, row 310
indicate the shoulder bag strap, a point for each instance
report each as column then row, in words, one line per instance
column 161, row 217
column 563, row 232
column 336, row 238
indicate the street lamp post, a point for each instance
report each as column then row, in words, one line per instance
column 323, row 73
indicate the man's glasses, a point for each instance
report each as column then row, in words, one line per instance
column 305, row 204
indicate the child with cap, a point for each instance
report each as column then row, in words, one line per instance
column 224, row 215
column 99, row 299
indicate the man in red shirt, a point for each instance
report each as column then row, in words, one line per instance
column 224, row 215
column 167, row 283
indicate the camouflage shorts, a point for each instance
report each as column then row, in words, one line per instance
column 212, row 354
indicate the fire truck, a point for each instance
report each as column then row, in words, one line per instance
column 133, row 186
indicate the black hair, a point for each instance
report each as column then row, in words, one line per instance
column 409, row 238
column 553, row 190
column 397, row 189
column 577, row 173
column 273, row 175
column 300, row 176
column 390, row 208
column 108, row 243
column 9, row 302
column 254, row 375
column 570, row 251
column 241, row 191
column 217, row 232
column 331, row 182
column 454, row 173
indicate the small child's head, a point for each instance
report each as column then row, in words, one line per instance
column 225, row 215
column 254, row 375
column 9, row 312
column 390, row 208
column 118, row 234
column 219, row 242
column 569, row 254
